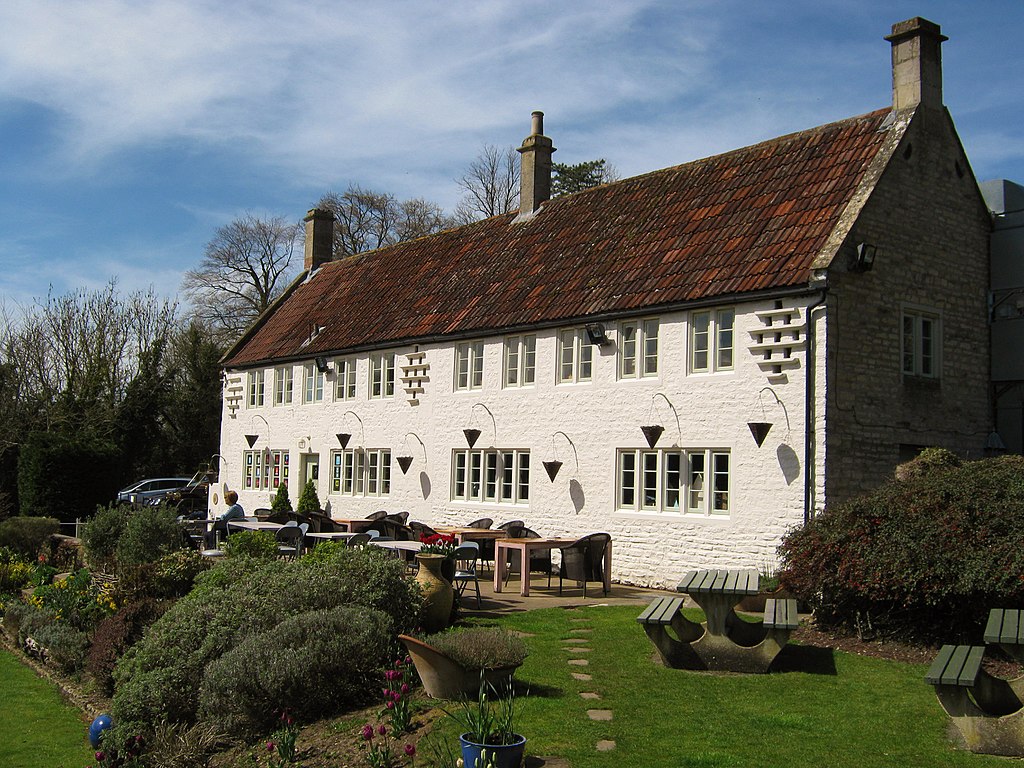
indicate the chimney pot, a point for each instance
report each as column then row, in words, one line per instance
column 916, row 63
column 319, row 238
column 535, row 168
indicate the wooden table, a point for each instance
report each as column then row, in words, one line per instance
column 465, row 533
column 504, row 547
column 354, row 525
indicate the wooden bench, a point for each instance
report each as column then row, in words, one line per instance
column 780, row 613
column 956, row 665
column 661, row 611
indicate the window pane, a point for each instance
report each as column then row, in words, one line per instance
column 650, row 348
column 460, row 475
column 927, row 347
column 490, row 476
column 529, row 359
column 512, row 361
column 566, row 356
column 586, row 357
column 524, row 476
column 672, row 480
column 695, row 494
column 725, row 336
column 385, row 473
column 389, row 376
column 650, row 479
column 627, row 351
column 507, row 475
column 699, row 324
column 336, row 458
column 475, row 473
column 721, row 499
column 478, row 365
column 462, row 367
column 627, row 479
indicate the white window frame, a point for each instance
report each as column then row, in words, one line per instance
column 491, row 476
column 469, row 366
column 265, row 469
column 312, row 384
column 520, row 361
column 345, row 378
column 691, row 481
column 256, row 396
column 284, row 385
column 362, row 472
column 382, row 375
column 575, row 358
column 638, row 348
column 920, row 342
column 712, row 340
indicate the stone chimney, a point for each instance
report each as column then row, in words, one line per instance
column 319, row 238
column 535, row 169
column 916, row 63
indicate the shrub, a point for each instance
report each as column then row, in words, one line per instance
column 480, row 647
column 920, row 559
column 15, row 571
column 115, row 634
column 102, row 533
column 929, row 460
column 27, row 535
column 64, row 646
column 258, row 544
column 241, row 598
column 311, row 664
column 309, row 502
column 281, row 502
column 77, row 601
column 149, row 534
column 15, row 613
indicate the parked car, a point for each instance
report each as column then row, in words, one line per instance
column 152, row 490
column 194, row 495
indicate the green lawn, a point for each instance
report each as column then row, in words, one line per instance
column 830, row 709
column 37, row 729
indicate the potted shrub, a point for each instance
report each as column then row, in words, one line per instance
column 451, row 663
column 488, row 737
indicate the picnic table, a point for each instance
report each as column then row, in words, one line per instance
column 1005, row 628
column 724, row 642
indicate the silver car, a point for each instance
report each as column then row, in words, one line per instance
column 152, row 490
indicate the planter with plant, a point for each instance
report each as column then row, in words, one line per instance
column 450, row 663
column 488, row 737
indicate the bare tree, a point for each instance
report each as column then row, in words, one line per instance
column 245, row 267
column 367, row 220
column 491, row 185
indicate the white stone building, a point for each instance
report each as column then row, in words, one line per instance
column 828, row 286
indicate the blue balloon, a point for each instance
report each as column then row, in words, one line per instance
column 99, row 725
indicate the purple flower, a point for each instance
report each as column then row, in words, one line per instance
column 101, row 756
column 382, row 730
column 405, row 687
column 410, row 750
column 390, row 705
column 270, row 746
column 367, row 731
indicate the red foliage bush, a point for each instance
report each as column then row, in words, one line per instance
column 115, row 634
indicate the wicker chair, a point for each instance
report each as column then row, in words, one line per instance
column 584, row 560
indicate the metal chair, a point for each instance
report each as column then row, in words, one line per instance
column 540, row 559
column 399, row 517
column 421, row 530
column 290, row 539
column 465, row 557
column 483, row 522
column 584, row 560
column 380, row 513
column 359, row 540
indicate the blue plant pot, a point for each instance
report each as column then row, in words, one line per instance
column 98, row 726
column 504, row 755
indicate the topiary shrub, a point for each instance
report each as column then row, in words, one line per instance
column 281, row 502
column 149, row 534
column 101, row 535
column 241, row 598
column 312, row 665
column 309, row 501
column 257, row 544
column 920, row 559
column 27, row 535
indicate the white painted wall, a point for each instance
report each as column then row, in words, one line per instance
column 599, row 417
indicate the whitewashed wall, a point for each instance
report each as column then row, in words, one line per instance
column 599, row 417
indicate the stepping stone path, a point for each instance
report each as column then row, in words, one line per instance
column 577, row 646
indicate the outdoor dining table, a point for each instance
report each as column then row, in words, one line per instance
column 254, row 525
column 717, row 592
column 403, row 546
column 354, row 525
column 464, row 533
column 331, row 535
column 503, row 548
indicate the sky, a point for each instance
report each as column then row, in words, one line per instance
column 130, row 130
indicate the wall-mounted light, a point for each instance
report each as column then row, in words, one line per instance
column 322, row 364
column 865, row 257
column 597, row 334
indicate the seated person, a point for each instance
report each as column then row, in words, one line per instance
column 233, row 512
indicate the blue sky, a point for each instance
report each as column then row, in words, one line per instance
column 131, row 130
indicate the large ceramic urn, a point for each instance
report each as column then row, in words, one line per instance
column 437, row 593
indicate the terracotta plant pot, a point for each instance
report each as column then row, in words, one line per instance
column 438, row 593
column 445, row 678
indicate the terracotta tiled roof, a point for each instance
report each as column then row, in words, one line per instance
column 748, row 220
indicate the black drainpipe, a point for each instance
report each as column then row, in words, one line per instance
column 809, row 405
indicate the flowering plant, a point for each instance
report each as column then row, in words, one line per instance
column 397, row 694
column 489, row 718
column 438, row 544
column 79, row 600
column 128, row 756
column 283, row 741
column 380, row 752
